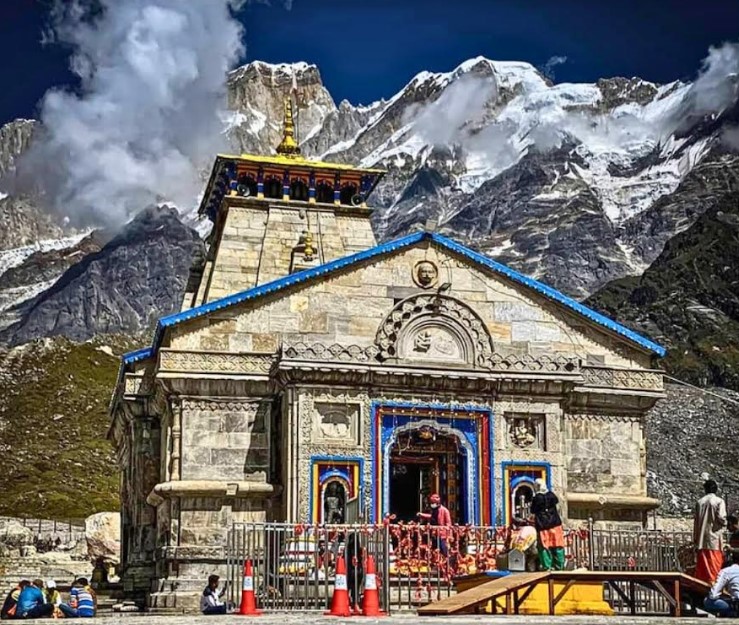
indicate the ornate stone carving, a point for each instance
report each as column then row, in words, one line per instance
column 548, row 364
column 436, row 326
column 213, row 405
column 525, row 431
column 138, row 384
column 335, row 422
column 216, row 362
column 432, row 342
column 425, row 274
column 623, row 378
column 335, row 352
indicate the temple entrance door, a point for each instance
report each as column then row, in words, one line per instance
column 423, row 462
column 406, row 484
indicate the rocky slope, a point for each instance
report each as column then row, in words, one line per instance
column 137, row 277
column 560, row 181
column 697, row 428
column 688, row 299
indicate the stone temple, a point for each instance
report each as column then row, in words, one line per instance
column 316, row 376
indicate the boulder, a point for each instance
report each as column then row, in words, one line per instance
column 103, row 534
column 13, row 535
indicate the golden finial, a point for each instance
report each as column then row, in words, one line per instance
column 308, row 250
column 288, row 146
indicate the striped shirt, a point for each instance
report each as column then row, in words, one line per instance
column 85, row 600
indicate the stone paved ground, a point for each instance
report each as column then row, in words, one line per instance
column 313, row 618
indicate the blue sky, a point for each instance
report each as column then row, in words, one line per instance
column 368, row 50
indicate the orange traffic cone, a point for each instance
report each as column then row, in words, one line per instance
column 371, row 599
column 248, row 605
column 340, row 599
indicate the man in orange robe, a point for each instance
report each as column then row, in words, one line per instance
column 708, row 526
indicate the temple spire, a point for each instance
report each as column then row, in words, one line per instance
column 288, row 146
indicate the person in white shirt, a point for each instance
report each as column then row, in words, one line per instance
column 210, row 601
column 717, row 601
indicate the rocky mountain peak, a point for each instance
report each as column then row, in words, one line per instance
column 256, row 95
column 15, row 137
column 137, row 277
column 618, row 91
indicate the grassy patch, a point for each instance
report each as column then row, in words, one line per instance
column 56, row 461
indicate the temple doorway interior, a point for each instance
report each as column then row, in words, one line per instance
column 425, row 461
column 519, row 481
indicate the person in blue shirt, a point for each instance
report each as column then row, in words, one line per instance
column 82, row 601
column 32, row 603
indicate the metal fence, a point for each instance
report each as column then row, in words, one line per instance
column 295, row 565
column 48, row 534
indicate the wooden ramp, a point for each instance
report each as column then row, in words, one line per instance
column 673, row 586
column 470, row 599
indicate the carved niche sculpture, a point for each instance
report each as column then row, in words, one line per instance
column 425, row 274
column 335, row 422
column 334, row 503
column 525, row 430
column 434, row 342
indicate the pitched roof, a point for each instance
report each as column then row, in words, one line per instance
column 386, row 248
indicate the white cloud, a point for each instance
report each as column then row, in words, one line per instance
column 147, row 114
column 552, row 62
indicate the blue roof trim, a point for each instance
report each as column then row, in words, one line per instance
column 390, row 246
column 139, row 354
column 549, row 292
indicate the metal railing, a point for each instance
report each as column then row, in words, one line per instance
column 48, row 534
column 295, row 565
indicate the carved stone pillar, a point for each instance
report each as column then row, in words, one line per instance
column 176, row 454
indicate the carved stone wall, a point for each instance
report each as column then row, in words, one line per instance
column 225, row 439
column 349, row 308
column 546, row 449
column 332, row 423
column 605, row 454
column 138, row 520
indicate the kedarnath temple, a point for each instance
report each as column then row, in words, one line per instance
column 315, row 376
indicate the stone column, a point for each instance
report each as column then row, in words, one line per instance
column 176, row 453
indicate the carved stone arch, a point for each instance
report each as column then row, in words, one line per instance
column 429, row 317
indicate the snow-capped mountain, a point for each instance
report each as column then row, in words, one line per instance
column 550, row 178
column 576, row 184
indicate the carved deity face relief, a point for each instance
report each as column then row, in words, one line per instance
column 425, row 274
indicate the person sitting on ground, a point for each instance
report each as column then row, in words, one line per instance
column 210, row 601
column 727, row 583
column 51, row 593
column 11, row 600
column 31, row 602
column 54, row 597
column 82, row 600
